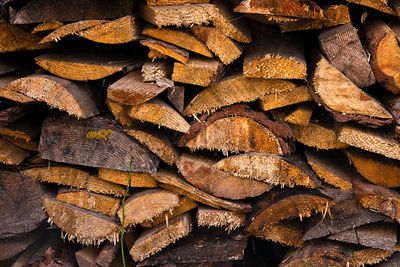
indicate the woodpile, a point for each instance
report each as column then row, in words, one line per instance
column 199, row 133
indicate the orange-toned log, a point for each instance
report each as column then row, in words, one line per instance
column 122, row 177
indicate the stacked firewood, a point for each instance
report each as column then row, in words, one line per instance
column 199, row 132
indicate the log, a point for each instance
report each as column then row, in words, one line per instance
column 385, row 53
column 158, row 112
column 107, row 255
column 297, row 95
column 198, row 71
column 17, row 111
column 200, row 247
column 238, row 129
column 122, row 177
column 378, row 5
column 173, row 182
column 392, row 103
column 369, row 256
column 346, row 102
column 86, row 227
column 269, row 168
column 156, row 142
column 342, row 47
column 39, row 11
column 166, row 49
column 74, row 177
column 178, row 37
column 373, row 140
column 32, row 145
column 147, row 204
column 376, row 169
column 344, row 216
column 96, row 142
column 153, row 71
column 153, row 240
column 298, row 114
column 330, row 167
column 87, row 256
column 233, row 89
column 75, row 98
column 106, row 205
column 26, row 130
column 130, row 90
column 48, row 26
column 211, row 217
column 176, row 95
column 275, row 56
column 12, row 95
column 185, row 204
column 198, row 171
column 11, row 154
column 120, row 113
column 83, row 67
column 224, row 48
column 13, row 246
column 174, row 2
column 21, row 204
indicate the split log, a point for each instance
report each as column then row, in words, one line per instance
column 218, row 218
column 21, row 204
column 147, row 204
column 286, row 98
column 130, row 90
column 378, row 5
column 75, row 98
column 237, row 128
column 270, row 168
column 83, row 67
column 344, row 216
column 335, row 193
column 16, row 112
column 153, row 240
column 153, row 71
column 377, row 235
column 198, row 171
column 11, row 154
column 365, row 256
column 166, row 49
column 48, row 26
column 106, row 205
column 154, row 55
column 26, row 130
column 176, row 95
column 86, row 226
column 178, row 37
column 120, row 113
column 275, row 56
column 346, row 102
column 87, row 256
column 200, row 247
column 320, row 135
column 177, row 15
column 330, row 167
column 392, row 103
column 119, row 31
column 12, row 246
column 278, row 205
column 174, row 2
column 39, row 11
column 376, row 169
column 31, row 145
column 385, row 53
column 342, row 47
column 373, row 140
column 224, row 48
column 198, row 71
column 185, row 204
column 96, row 142
column 233, row 89
column 299, row 114
column 121, row 177
column 107, row 255
column 173, row 182
column 12, row 95
column 156, row 142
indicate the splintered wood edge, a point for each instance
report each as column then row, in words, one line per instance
column 214, row 217
column 369, row 256
column 11, row 154
column 289, row 233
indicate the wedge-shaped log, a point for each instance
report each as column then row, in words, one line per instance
column 200, row 247
column 107, row 255
column 278, row 205
column 147, row 204
column 120, row 113
column 198, row 171
column 298, row 114
column 130, row 90
column 373, row 140
column 106, row 205
column 153, row 71
column 14, row 38
column 74, row 177
column 174, row 2
column 86, row 226
column 233, row 89
column 273, row 55
column 21, row 204
column 32, row 145
column 237, row 128
column 12, row 95
column 83, row 67
column 286, row 98
column 176, row 95
column 11, row 154
column 96, row 142
column 198, row 71
column 48, row 26
column 156, row 142
column 381, row 6
column 122, row 177
column 75, row 98
column 167, row 49
column 26, row 130
column 270, row 168
column 173, row 182
column 211, row 217
column 18, row 111
column 342, row 47
column 87, row 256
column 371, row 256
column 345, row 101
column 153, row 240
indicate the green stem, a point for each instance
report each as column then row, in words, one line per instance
column 123, row 216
